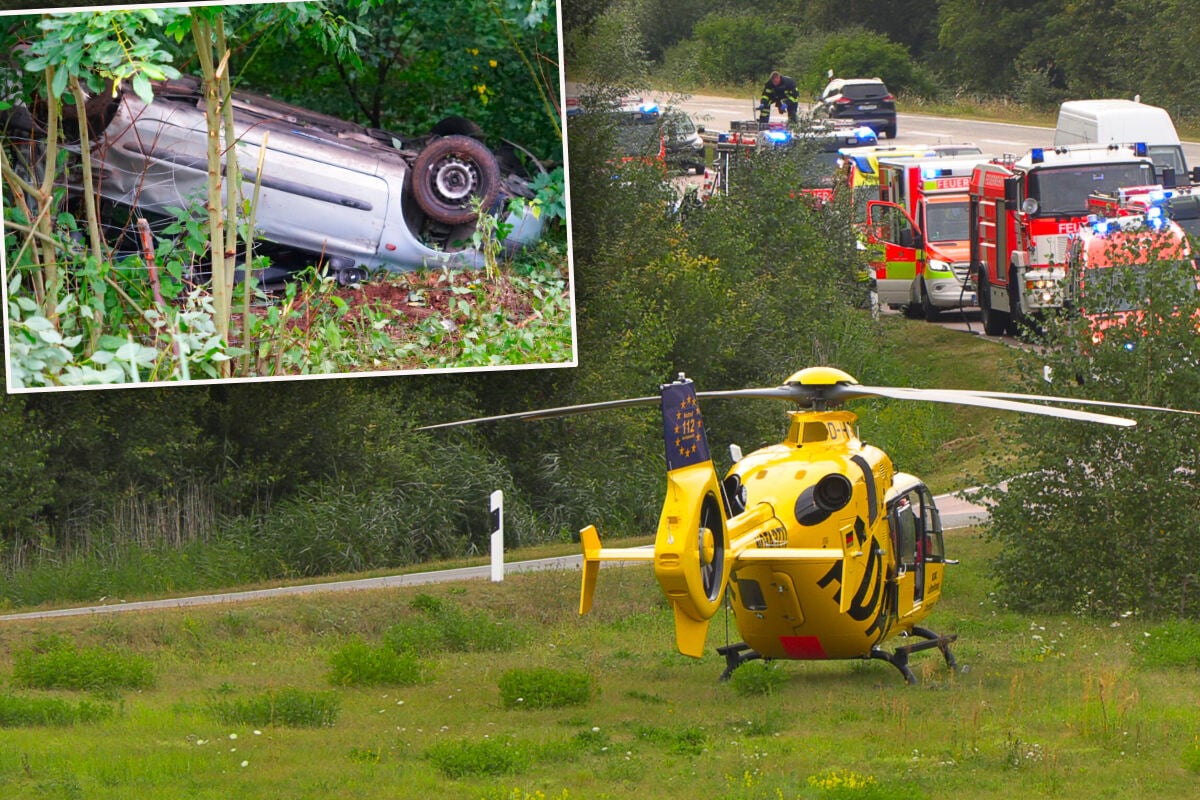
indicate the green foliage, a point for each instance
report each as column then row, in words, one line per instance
column 56, row 663
column 24, row 447
column 288, row 707
column 545, row 687
column 104, row 46
column 1174, row 643
column 486, row 757
column 609, row 48
column 1191, row 759
column 17, row 711
column 441, row 626
column 420, row 62
column 550, row 188
column 758, row 678
column 1099, row 519
column 862, row 54
column 737, row 47
column 358, row 663
column 688, row 740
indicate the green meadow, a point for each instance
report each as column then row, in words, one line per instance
column 491, row 691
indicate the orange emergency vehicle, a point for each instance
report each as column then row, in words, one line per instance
column 931, row 196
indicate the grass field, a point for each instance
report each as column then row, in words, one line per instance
column 481, row 690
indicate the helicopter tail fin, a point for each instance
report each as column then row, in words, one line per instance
column 690, row 634
column 594, row 553
column 691, row 550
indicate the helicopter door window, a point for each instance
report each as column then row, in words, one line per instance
column 935, row 546
column 752, row 595
column 904, row 523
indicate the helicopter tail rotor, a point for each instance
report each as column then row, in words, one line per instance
column 692, row 549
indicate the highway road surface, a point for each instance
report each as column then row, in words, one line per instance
column 994, row 138
column 955, row 512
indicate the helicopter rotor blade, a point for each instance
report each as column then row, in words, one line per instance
column 843, row 392
column 548, row 413
column 791, row 391
column 1079, row 400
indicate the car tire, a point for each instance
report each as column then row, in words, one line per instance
column 450, row 171
column 931, row 312
column 890, row 131
column 994, row 322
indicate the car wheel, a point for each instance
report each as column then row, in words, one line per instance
column 994, row 322
column 890, row 131
column 931, row 311
column 450, row 171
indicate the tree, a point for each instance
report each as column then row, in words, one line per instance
column 737, row 47
column 1102, row 520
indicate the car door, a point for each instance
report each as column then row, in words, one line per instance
column 895, row 249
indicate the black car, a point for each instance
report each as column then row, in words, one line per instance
column 865, row 101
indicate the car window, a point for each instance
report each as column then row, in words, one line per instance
column 864, row 91
column 679, row 124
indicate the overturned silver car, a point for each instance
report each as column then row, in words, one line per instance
column 333, row 192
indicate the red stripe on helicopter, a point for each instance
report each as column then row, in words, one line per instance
column 802, row 647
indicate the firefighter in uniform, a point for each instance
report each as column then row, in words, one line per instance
column 782, row 93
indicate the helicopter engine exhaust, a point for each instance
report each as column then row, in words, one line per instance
column 817, row 502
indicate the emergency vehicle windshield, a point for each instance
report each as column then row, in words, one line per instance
column 946, row 222
column 1063, row 191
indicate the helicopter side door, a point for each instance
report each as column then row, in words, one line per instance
column 919, row 546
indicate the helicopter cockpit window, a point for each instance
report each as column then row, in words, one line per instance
column 815, row 432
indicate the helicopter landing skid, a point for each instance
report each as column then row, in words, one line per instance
column 898, row 658
column 735, row 656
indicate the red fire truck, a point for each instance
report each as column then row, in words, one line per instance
column 1023, row 216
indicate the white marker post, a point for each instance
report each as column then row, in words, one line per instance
column 497, row 506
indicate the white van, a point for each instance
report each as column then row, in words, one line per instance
column 1118, row 121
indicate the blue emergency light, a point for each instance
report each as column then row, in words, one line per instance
column 1037, row 155
column 779, row 137
column 865, row 134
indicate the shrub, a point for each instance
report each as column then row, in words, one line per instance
column 54, row 663
column 685, row 741
column 864, row 54
column 23, row 712
column 739, row 47
column 357, row 663
column 489, row 757
column 287, row 707
column 544, row 687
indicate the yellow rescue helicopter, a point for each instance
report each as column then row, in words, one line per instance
column 823, row 550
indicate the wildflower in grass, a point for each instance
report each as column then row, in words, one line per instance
column 842, row 782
